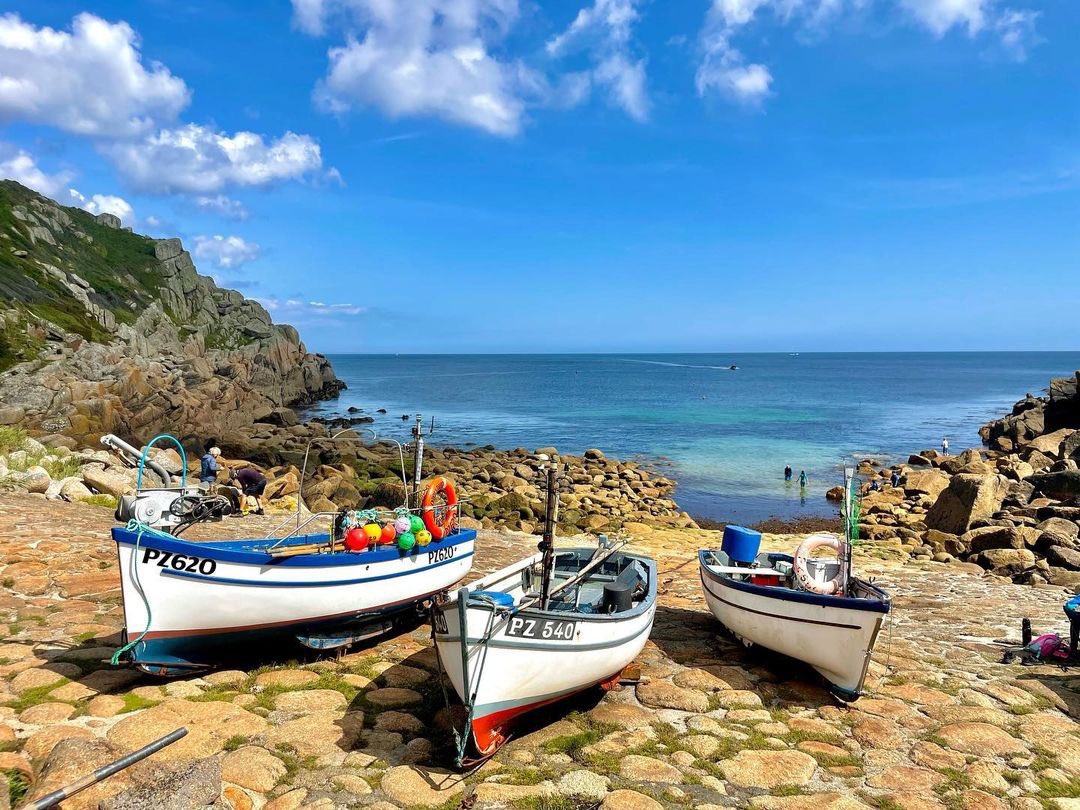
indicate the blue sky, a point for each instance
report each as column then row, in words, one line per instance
column 614, row 175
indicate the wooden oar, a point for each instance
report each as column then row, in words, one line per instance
column 596, row 560
column 296, row 551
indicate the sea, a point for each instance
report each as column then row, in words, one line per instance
column 722, row 425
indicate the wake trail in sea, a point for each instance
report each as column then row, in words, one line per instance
column 675, row 365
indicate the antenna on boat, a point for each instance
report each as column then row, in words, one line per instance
column 547, row 544
column 418, row 455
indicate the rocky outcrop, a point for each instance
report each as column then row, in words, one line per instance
column 1013, row 509
column 1035, row 417
column 109, row 331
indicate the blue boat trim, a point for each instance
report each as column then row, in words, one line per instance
column 253, row 551
column 880, row 605
column 568, row 646
column 782, row 617
column 169, row 572
column 172, row 651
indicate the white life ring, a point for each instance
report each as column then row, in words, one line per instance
column 802, row 571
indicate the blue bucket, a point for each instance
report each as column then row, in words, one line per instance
column 741, row 545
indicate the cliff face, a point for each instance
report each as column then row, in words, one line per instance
column 104, row 330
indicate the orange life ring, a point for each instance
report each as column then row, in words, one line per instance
column 449, row 518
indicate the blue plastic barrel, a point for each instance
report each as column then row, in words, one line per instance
column 741, row 545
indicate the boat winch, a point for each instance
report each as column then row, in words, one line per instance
column 166, row 508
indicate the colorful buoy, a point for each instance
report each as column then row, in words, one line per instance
column 389, row 533
column 356, row 539
column 406, row 541
column 403, row 524
column 373, row 532
column 423, row 537
column 416, row 524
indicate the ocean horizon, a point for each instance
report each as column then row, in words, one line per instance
column 725, row 435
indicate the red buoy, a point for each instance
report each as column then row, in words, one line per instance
column 356, row 539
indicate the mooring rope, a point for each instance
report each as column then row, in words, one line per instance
column 141, row 528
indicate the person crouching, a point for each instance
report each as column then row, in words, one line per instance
column 252, row 484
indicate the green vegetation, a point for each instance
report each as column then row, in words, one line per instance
column 1053, row 789
column 11, row 438
column 119, row 265
column 18, row 785
column 32, row 697
column 133, row 702
column 108, row 501
column 236, row 741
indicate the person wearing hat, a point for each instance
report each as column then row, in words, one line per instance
column 209, row 467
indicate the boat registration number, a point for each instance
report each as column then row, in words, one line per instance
column 440, row 555
column 179, row 562
column 547, row 629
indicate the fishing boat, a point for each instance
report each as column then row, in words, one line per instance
column 544, row 628
column 807, row 608
column 186, row 604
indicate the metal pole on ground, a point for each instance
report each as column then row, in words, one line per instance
column 57, row 796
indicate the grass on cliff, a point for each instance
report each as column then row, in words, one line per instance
column 119, row 265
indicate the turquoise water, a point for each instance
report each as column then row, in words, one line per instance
column 724, row 435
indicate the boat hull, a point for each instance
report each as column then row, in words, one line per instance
column 208, row 597
column 511, row 675
column 834, row 635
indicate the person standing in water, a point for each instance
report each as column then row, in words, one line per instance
column 802, row 478
column 945, row 446
column 787, row 473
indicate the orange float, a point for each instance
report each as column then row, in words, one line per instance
column 440, row 526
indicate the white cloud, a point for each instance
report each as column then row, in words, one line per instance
column 297, row 308
column 104, row 204
column 89, row 81
column 725, row 70
column 20, row 166
column 226, row 252
column 225, row 206
column 941, row 15
column 605, row 30
column 200, row 160
column 425, row 57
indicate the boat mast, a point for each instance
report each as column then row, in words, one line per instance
column 547, row 544
column 418, row 459
column 849, row 527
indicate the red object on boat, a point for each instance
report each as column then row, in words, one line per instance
column 356, row 539
column 389, row 533
column 764, row 579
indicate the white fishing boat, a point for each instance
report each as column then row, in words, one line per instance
column 185, row 603
column 540, row 630
column 807, row 608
